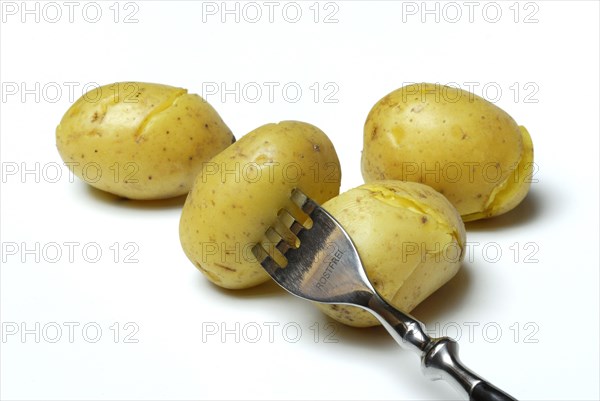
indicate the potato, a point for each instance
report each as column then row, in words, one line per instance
column 454, row 141
column 410, row 240
column 239, row 192
column 140, row 140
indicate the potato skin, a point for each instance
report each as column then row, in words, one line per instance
column 140, row 140
column 458, row 143
column 410, row 240
column 239, row 192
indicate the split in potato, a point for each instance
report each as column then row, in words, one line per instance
column 410, row 239
column 458, row 143
column 140, row 140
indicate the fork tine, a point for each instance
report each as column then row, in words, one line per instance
column 278, row 241
column 286, row 219
column 273, row 236
column 267, row 262
column 303, row 201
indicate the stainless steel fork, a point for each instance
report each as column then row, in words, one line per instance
column 316, row 260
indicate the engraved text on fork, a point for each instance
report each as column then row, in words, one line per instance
column 337, row 256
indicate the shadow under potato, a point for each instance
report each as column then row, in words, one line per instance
column 527, row 212
column 445, row 299
column 432, row 309
column 110, row 199
column 265, row 290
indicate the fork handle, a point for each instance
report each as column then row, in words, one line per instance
column 440, row 361
column 439, row 356
column 486, row 392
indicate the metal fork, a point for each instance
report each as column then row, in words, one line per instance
column 316, row 260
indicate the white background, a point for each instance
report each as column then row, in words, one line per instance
column 527, row 317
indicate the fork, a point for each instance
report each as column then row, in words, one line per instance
column 316, row 260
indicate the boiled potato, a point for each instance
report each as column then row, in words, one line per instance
column 458, row 143
column 238, row 194
column 410, row 240
column 140, row 140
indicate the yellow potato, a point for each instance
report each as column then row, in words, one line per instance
column 409, row 237
column 460, row 144
column 140, row 140
column 239, row 192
